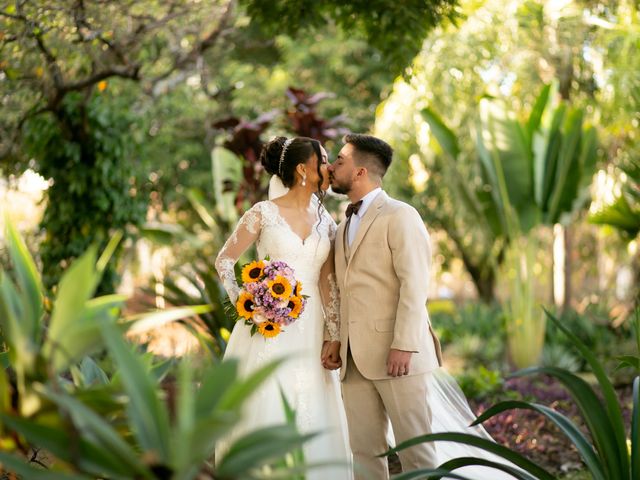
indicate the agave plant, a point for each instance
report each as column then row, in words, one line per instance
column 125, row 426
column 606, row 452
column 149, row 442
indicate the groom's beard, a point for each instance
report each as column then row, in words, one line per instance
column 340, row 189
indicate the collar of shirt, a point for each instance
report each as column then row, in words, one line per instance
column 367, row 200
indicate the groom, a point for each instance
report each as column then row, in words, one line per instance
column 387, row 346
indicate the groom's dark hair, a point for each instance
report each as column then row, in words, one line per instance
column 374, row 153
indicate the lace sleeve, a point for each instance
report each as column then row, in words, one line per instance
column 329, row 291
column 245, row 234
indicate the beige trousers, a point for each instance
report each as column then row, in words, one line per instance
column 370, row 404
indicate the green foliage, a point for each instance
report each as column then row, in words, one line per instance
column 533, row 172
column 480, row 382
column 633, row 361
column 395, row 29
column 605, row 451
column 624, row 213
column 474, row 331
column 129, row 425
column 90, row 154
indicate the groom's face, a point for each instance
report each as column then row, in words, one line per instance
column 342, row 171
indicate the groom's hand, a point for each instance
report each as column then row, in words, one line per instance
column 398, row 362
column 330, row 356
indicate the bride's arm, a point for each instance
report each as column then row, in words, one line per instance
column 329, row 291
column 245, row 234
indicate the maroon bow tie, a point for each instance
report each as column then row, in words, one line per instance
column 353, row 208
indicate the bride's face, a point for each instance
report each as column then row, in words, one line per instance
column 312, row 169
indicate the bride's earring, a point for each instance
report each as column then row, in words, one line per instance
column 304, row 180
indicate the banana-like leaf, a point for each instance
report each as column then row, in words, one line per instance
column 29, row 284
column 83, row 337
column 535, row 117
column 567, row 179
column 11, row 311
column 506, row 140
column 562, row 422
column 100, row 432
column 225, row 166
column 444, row 135
column 13, row 464
column 613, row 412
column 479, row 442
column 76, row 288
column 149, row 321
column 147, row 414
column 546, row 149
column 620, row 215
column 259, row 448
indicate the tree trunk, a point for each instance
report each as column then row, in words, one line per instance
column 568, row 243
column 483, row 276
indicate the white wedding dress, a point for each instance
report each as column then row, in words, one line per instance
column 312, row 391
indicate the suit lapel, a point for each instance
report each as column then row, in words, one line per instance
column 341, row 252
column 367, row 220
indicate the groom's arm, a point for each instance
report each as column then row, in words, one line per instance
column 411, row 256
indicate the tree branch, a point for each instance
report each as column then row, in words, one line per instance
column 130, row 71
column 182, row 61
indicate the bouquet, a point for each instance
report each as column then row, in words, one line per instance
column 270, row 297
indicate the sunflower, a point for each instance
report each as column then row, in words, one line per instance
column 245, row 305
column 298, row 290
column 253, row 271
column 280, row 287
column 269, row 329
column 295, row 304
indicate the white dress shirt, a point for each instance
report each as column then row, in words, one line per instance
column 354, row 222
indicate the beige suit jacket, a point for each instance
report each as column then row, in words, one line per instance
column 383, row 279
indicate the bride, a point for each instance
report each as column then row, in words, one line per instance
column 294, row 228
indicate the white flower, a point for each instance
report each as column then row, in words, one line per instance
column 258, row 318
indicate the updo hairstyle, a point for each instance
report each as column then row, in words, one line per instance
column 299, row 150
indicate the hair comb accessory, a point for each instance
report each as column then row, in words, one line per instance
column 287, row 142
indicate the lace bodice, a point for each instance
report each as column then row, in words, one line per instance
column 311, row 258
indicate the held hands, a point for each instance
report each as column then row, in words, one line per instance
column 330, row 356
column 398, row 362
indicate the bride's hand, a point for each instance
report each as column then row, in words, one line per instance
column 330, row 356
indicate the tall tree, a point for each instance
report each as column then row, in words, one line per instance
column 52, row 50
